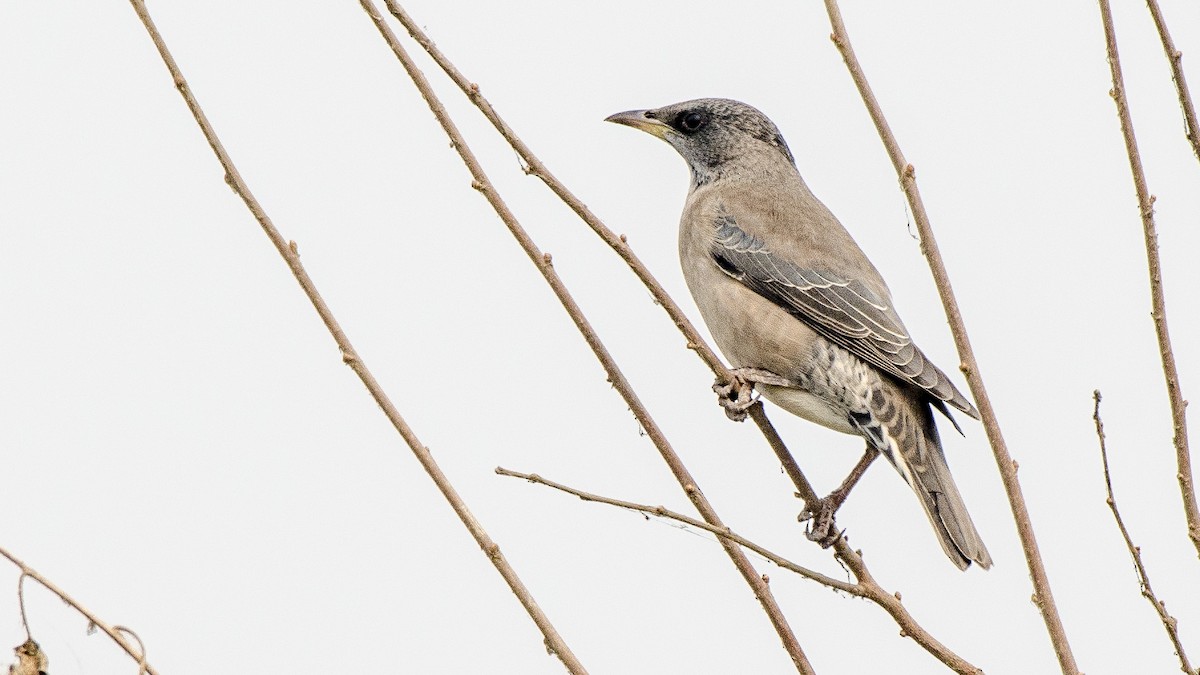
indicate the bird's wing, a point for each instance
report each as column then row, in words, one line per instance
column 842, row 310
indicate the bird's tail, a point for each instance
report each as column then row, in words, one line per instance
column 915, row 449
column 935, row 487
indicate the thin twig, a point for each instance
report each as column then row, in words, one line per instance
column 664, row 512
column 1169, row 623
column 21, row 603
column 864, row 587
column 1191, row 129
column 554, row 642
column 617, row 242
column 1183, row 456
column 113, row 632
column 141, row 659
column 1043, row 597
column 535, row 167
column 544, row 265
column 694, row 340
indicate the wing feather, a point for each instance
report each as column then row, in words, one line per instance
column 844, row 311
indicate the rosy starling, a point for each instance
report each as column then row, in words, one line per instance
column 796, row 307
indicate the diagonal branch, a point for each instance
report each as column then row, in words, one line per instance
column 617, row 242
column 1169, row 623
column 1191, row 128
column 865, row 587
column 115, row 633
column 291, row 256
column 1158, row 301
column 543, row 262
column 1043, row 597
column 695, row 341
column 664, row 512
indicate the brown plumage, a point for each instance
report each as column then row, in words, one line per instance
column 784, row 288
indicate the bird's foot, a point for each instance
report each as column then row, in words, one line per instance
column 821, row 527
column 737, row 395
column 819, row 516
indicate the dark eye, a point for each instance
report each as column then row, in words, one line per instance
column 691, row 121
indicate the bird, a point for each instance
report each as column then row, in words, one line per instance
column 31, row 660
column 797, row 308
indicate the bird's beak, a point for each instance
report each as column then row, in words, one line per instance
column 640, row 119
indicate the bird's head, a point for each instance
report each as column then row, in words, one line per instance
column 717, row 136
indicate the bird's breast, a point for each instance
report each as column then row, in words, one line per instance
column 750, row 330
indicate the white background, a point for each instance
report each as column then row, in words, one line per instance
column 187, row 455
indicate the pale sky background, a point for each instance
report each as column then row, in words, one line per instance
column 188, row 456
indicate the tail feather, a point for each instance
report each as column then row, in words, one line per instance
column 911, row 443
column 944, row 504
column 946, row 510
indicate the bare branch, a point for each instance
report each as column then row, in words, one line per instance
column 864, row 588
column 664, row 512
column 1044, row 598
column 617, row 242
column 1169, row 623
column 115, row 633
column 1191, row 129
column 21, row 603
column 291, row 256
column 143, row 667
column 1183, row 456
column 543, row 262
column 694, row 340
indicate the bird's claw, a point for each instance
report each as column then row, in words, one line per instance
column 737, row 395
column 821, row 527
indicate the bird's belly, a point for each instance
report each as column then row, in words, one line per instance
column 809, row 406
column 750, row 330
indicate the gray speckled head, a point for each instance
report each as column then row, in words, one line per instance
column 714, row 135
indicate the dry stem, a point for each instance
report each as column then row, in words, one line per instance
column 865, row 587
column 617, row 242
column 1169, row 623
column 1191, row 129
column 664, row 512
column 1158, row 301
column 1044, row 598
column 615, row 376
column 113, row 632
column 694, row 340
column 291, row 256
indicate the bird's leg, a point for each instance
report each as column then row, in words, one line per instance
column 821, row 529
column 737, row 395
